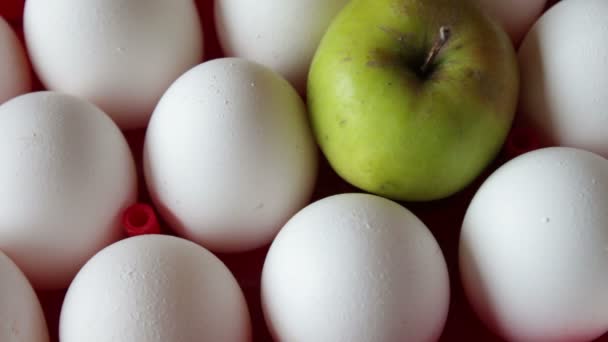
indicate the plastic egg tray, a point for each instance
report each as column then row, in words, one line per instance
column 442, row 217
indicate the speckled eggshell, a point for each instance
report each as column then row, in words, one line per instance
column 21, row 316
column 154, row 288
column 229, row 156
column 534, row 247
column 15, row 78
column 358, row 268
column 119, row 54
column 515, row 16
column 283, row 35
column 564, row 76
column 66, row 175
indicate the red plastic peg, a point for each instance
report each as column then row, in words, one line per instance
column 140, row 219
column 521, row 140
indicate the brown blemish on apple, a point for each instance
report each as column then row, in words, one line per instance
column 489, row 89
column 441, row 77
column 343, row 122
column 473, row 74
column 346, row 57
column 380, row 58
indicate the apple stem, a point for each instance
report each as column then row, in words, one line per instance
column 444, row 36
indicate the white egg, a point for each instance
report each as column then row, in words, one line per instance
column 119, row 54
column 229, row 156
column 154, row 288
column 515, row 16
column 283, row 35
column 14, row 67
column 355, row 267
column 21, row 316
column 534, row 247
column 564, row 75
column 67, row 173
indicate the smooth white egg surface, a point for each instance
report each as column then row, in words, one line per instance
column 66, row 175
column 15, row 78
column 355, row 267
column 21, row 316
column 154, row 288
column 119, row 54
column 283, row 35
column 515, row 16
column 564, row 75
column 229, row 156
column 534, row 247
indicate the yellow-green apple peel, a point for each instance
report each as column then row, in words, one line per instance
column 411, row 100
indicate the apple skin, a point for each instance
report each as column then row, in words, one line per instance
column 391, row 131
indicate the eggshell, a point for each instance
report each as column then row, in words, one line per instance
column 515, row 16
column 229, row 156
column 355, row 267
column 21, row 316
column 283, row 35
column 534, row 247
column 67, row 173
column 564, row 75
column 14, row 67
column 119, row 54
column 154, row 288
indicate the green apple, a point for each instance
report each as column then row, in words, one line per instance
column 412, row 99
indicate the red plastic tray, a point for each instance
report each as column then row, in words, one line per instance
column 442, row 217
